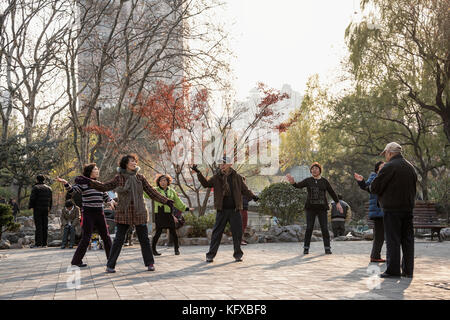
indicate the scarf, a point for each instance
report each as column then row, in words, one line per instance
column 225, row 185
column 132, row 187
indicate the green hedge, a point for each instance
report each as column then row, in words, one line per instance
column 202, row 223
column 283, row 201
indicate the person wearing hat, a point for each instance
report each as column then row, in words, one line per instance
column 41, row 203
column 316, row 204
column 395, row 186
column 229, row 187
column 164, row 217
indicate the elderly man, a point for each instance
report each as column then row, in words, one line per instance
column 395, row 186
column 229, row 187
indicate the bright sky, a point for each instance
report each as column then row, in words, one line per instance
column 286, row 41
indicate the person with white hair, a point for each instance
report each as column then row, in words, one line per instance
column 395, row 186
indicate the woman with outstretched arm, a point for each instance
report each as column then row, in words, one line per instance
column 131, row 209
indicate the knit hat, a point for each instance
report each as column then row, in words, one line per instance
column 316, row 164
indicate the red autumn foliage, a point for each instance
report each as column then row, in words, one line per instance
column 169, row 108
column 270, row 97
column 101, row 130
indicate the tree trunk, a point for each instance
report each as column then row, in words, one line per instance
column 202, row 209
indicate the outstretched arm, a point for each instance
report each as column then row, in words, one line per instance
column 106, row 186
column 247, row 192
column 206, row 183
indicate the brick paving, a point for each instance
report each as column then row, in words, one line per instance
column 269, row 271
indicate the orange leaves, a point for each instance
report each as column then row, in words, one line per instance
column 170, row 107
column 101, row 130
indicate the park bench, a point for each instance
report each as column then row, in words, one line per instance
column 425, row 217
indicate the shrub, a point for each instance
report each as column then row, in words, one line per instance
column 7, row 219
column 283, row 201
column 199, row 223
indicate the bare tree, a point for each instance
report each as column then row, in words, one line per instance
column 30, row 37
column 115, row 54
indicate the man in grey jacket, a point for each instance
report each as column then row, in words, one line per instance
column 395, row 186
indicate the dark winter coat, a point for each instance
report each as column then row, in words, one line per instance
column 395, row 185
column 238, row 187
column 126, row 212
column 41, row 197
column 317, row 189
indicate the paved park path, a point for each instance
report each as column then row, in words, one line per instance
column 269, row 271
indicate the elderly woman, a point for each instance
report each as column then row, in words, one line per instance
column 164, row 218
column 131, row 210
column 375, row 213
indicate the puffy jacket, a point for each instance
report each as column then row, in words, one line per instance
column 41, row 197
column 374, row 210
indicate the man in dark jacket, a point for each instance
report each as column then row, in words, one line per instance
column 41, row 203
column 395, row 186
column 229, row 187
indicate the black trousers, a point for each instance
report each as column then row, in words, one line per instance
column 68, row 230
column 142, row 233
column 222, row 217
column 338, row 228
column 90, row 221
column 323, row 221
column 41, row 223
column 378, row 238
column 173, row 234
column 399, row 232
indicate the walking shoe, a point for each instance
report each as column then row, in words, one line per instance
column 377, row 260
column 209, row 260
column 388, row 275
column 177, row 252
column 238, row 259
column 110, row 270
column 328, row 251
column 156, row 253
column 306, row 251
column 81, row 265
column 63, row 247
column 151, row 268
column 71, row 247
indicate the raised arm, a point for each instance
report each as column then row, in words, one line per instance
column 106, row 186
column 206, row 183
column 301, row 184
